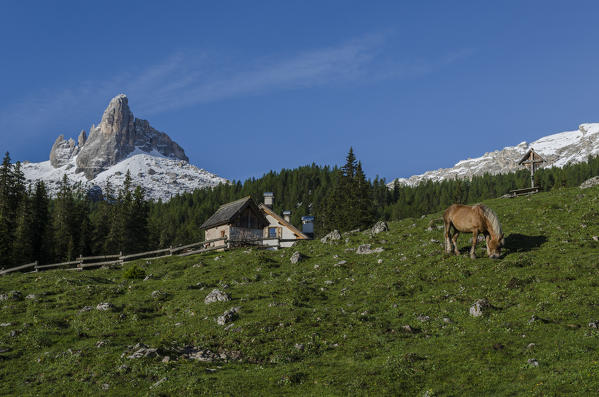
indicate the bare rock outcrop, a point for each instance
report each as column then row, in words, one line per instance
column 594, row 181
column 332, row 236
column 62, row 151
column 82, row 138
column 379, row 227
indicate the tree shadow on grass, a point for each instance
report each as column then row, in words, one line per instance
column 517, row 242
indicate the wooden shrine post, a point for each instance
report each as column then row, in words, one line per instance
column 531, row 160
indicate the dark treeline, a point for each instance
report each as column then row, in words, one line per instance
column 34, row 226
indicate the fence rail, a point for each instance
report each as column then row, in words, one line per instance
column 38, row 267
column 200, row 251
column 14, row 269
column 85, row 262
column 92, row 258
column 131, row 256
column 98, row 264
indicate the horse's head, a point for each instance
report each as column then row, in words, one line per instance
column 495, row 244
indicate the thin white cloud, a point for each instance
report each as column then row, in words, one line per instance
column 192, row 82
column 187, row 79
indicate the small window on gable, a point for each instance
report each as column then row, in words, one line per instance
column 272, row 232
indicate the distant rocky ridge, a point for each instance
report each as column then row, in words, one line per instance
column 122, row 143
column 557, row 149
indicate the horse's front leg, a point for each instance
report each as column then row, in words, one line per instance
column 454, row 240
column 487, row 239
column 474, row 241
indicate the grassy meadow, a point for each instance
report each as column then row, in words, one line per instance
column 395, row 322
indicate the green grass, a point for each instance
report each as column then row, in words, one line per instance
column 349, row 318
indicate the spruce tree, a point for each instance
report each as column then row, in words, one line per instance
column 6, row 215
column 138, row 221
column 22, row 246
column 40, row 243
column 364, row 211
column 64, row 241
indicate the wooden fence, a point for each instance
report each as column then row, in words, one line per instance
column 118, row 259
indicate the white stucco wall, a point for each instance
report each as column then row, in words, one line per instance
column 285, row 234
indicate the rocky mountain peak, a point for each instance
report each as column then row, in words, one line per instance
column 116, row 137
column 117, row 119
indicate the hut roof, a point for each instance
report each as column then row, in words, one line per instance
column 226, row 212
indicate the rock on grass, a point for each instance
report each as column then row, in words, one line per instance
column 296, row 257
column 379, row 227
column 105, row 306
column 365, row 249
column 228, row 316
column 479, row 308
column 216, row 296
column 332, row 236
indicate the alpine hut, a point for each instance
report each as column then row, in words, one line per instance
column 240, row 220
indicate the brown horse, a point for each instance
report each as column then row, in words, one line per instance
column 473, row 219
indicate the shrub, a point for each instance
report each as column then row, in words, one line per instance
column 134, row 272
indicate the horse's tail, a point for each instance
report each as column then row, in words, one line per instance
column 447, row 229
column 447, row 220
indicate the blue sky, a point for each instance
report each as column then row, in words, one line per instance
column 246, row 87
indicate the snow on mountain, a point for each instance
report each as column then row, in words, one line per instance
column 160, row 176
column 121, row 143
column 557, row 149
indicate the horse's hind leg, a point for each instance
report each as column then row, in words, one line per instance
column 454, row 240
column 447, row 236
column 474, row 241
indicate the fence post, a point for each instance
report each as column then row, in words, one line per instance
column 80, row 260
column 35, row 266
column 171, row 250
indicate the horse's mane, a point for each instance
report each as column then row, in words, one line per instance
column 492, row 218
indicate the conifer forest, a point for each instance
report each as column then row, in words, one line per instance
column 35, row 226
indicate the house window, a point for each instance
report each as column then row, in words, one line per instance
column 222, row 233
column 272, row 232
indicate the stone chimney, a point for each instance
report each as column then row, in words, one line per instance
column 269, row 198
column 287, row 216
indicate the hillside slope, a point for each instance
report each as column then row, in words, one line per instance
column 336, row 323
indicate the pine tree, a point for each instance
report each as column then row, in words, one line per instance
column 6, row 215
column 64, row 241
column 138, row 221
column 364, row 213
column 40, row 244
column 22, row 246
